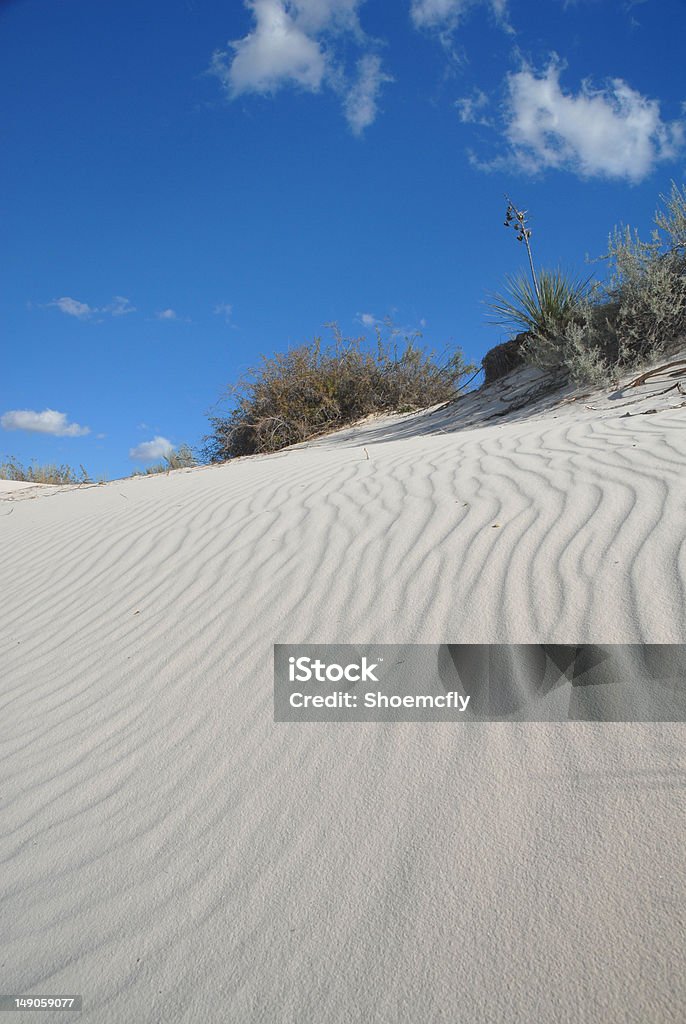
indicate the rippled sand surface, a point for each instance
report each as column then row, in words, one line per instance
column 173, row 855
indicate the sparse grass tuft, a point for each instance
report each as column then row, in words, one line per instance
column 179, row 458
column 13, row 469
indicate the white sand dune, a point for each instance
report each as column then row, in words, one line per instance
column 173, row 855
column 10, row 486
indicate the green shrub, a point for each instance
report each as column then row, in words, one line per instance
column 315, row 388
column 12, row 469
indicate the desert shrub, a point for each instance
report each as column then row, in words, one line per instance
column 12, row 469
column 591, row 332
column 648, row 283
column 576, row 352
column 295, row 395
column 640, row 310
column 181, row 458
column 578, row 349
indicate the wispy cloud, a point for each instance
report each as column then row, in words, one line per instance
column 224, row 309
column 388, row 326
column 170, row 315
column 295, row 43
column 119, row 306
column 47, row 422
column 470, row 109
column 72, row 307
column 445, row 15
column 612, row 132
column 148, row 451
column 360, row 104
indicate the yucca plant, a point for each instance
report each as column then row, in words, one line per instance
column 545, row 311
column 590, row 331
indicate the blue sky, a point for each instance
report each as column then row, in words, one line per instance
column 188, row 184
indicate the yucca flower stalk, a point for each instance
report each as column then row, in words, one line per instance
column 517, row 219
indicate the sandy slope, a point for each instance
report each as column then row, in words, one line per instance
column 10, row 486
column 170, row 853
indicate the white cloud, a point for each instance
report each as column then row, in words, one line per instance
column 120, row 306
column 166, row 314
column 470, row 108
column 277, row 51
column 47, row 422
column 318, row 15
column 295, row 42
column 148, row 451
column 613, row 132
column 388, row 325
column 433, row 13
column 72, row 307
column 446, row 14
column 360, row 105
column 224, row 309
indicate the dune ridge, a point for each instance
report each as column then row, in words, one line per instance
column 171, row 853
